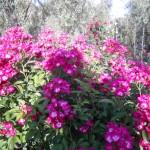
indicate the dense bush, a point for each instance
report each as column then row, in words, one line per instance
column 62, row 93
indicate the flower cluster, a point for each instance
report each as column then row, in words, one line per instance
column 113, row 47
column 117, row 137
column 67, row 60
column 120, row 67
column 140, row 73
column 56, row 87
column 89, row 51
column 6, row 89
column 145, row 145
column 86, row 126
column 123, row 74
column 132, row 71
column 13, row 42
column 60, row 111
column 120, row 87
column 6, row 73
column 7, row 129
column 45, row 43
column 80, row 42
column 48, row 41
column 142, row 115
column 104, row 81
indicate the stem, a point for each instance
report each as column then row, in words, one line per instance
column 139, row 87
column 135, row 40
column 143, row 36
column 144, row 136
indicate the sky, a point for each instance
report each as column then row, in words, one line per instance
column 118, row 7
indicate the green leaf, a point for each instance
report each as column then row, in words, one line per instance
column 11, row 143
column 106, row 101
column 144, row 135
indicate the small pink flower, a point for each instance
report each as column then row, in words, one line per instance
column 27, row 109
column 21, row 122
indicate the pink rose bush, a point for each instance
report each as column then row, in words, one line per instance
column 59, row 92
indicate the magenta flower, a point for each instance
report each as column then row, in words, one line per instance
column 7, row 129
column 56, row 87
column 67, row 60
column 13, row 43
column 60, row 111
column 118, row 137
column 120, row 87
column 142, row 115
column 6, row 89
column 21, row 122
column 145, row 144
column 140, row 73
column 85, row 128
column 113, row 47
column 104, row 82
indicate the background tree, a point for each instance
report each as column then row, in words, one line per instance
column 134, row 29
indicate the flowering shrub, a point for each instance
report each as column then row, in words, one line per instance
column 59, row 92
